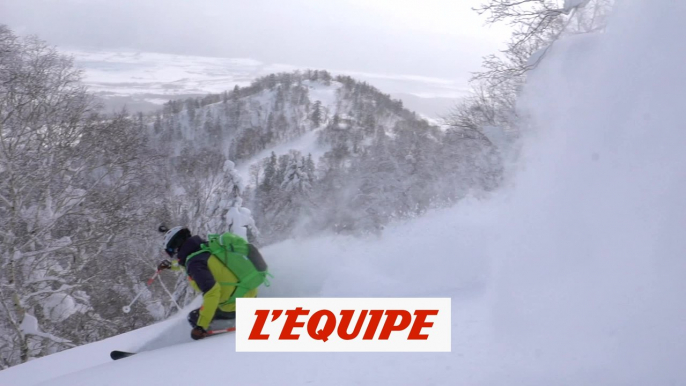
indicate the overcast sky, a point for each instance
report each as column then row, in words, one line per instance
column 439, row 38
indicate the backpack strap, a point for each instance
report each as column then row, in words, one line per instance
column 241, row 289
column 203, row 248
column 221, row 242
column 266, row 282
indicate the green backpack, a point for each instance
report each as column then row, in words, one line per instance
column 233, row 251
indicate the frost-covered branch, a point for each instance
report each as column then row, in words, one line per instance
column 536, row 26
column 72, row 182
column 62, row 289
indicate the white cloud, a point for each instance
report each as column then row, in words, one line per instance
column 436, row 38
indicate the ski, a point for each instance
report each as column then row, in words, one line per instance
column 116, row 354
column 221, row 331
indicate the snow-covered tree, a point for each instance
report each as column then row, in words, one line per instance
column 317, row 113
column 241, row 222
column 379, row 188
column 294, row 202
column 536, row 26
column 70, row 182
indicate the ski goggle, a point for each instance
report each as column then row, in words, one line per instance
column 170, row 251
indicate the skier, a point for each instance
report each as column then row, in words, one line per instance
column 206, row 274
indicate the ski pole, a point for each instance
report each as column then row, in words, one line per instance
column 127, row 309
column 153, row 277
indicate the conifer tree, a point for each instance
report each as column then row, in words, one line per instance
column 317, row 114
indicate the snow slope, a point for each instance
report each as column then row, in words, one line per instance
column 572, row 276
column 350, row 267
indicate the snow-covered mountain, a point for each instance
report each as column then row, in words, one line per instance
column 575, row 276
column 278, row 113
column 355, row 157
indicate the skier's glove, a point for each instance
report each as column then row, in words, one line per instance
column 198, row 333
column 164, row 264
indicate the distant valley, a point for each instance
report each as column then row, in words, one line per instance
column 143, row 81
